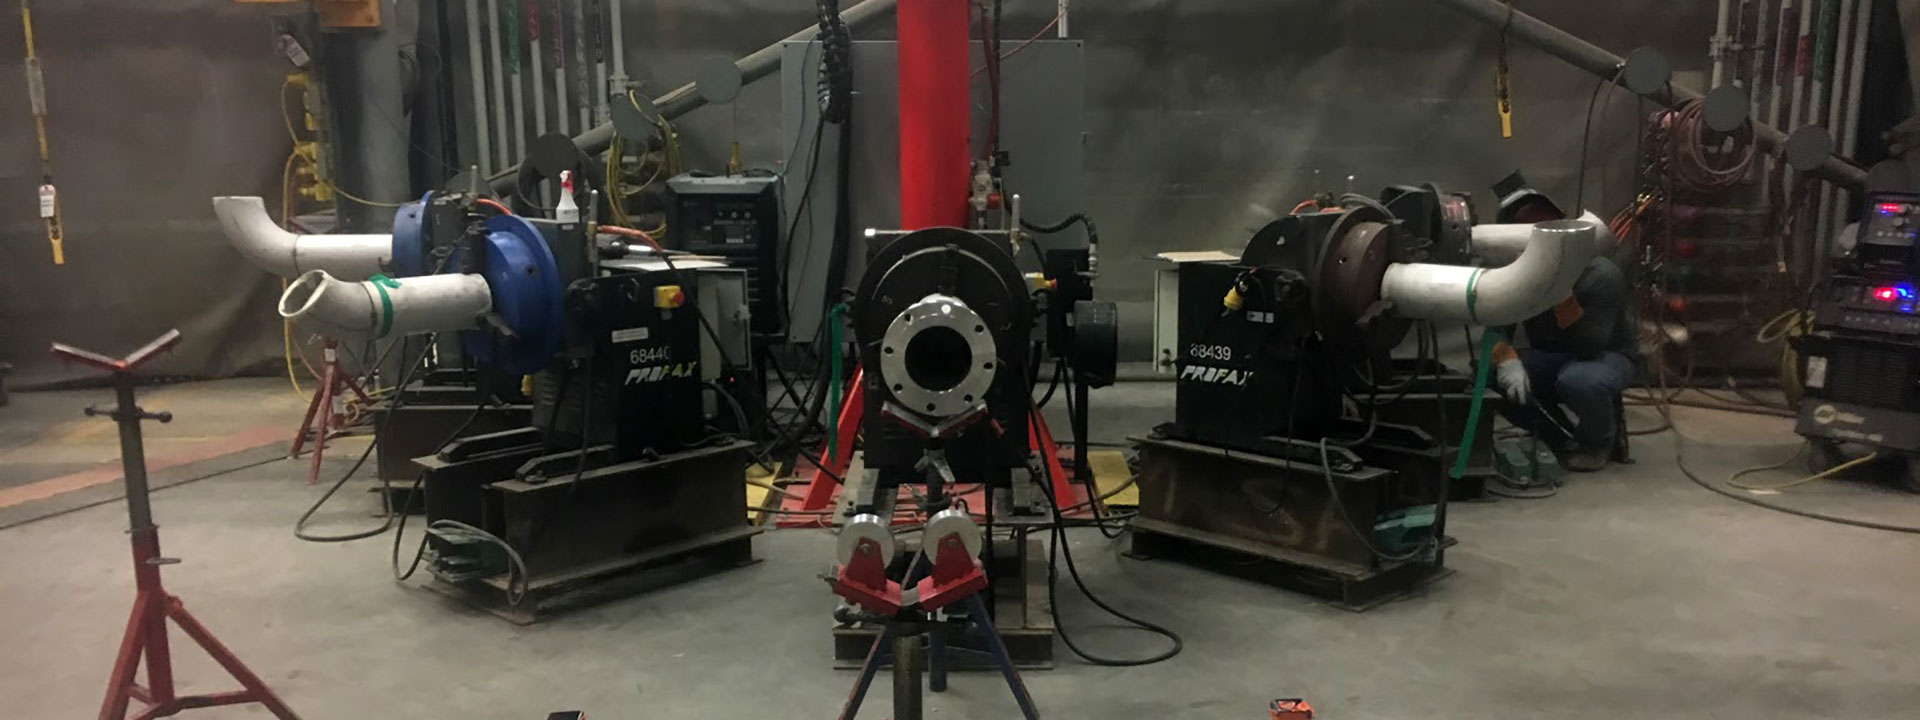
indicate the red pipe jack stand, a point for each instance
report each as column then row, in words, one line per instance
column 953, row 577
column 321, row 420
column 153, row 606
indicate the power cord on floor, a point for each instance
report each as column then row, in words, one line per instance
column 387, row 522
column 1680, row 460
column 1830, row 472
column 1060, row 548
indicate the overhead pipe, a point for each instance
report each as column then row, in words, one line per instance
column 1856, row 76
column 530, row 15
column 1495, row 245
column 497, row 61
column 559, row 32
column 1784, row 50
column 1757, row 47
column 1722, row 43
column 1589, row 57
column 617, row 30
column 601, row 113
column 1540, row 278
column 1833, row 63
column 287, row 254
column 686, row 98
column 378, row 309
column 477, row 69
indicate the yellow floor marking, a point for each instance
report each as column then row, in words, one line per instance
column 756, row 495
column 1109, row 471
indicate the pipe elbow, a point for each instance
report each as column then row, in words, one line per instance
column 434, row 303
column 254, row 234
column 278, row 251
column 1499, row 244
column 1544, row 274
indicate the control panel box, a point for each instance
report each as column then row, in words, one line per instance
column 737, row 218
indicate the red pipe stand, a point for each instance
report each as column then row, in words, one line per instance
column 321, row 420
column 153, row 606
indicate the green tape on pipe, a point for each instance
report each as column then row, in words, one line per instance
column 381, row 283
column 1480, row 374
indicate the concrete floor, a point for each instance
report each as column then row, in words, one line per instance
column 1631, row 594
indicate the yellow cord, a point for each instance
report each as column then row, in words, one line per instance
column 286, row 115
column 350, row 196
column 616, row 200
column 1784, row 329
column 669, row 166
column 1835, row 470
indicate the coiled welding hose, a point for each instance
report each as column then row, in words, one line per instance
column 1689, row 145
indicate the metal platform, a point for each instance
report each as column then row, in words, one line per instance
column 602, row 532
column 1276, row 520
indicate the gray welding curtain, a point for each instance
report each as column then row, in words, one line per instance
column 1204, row 117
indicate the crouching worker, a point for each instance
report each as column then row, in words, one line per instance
column 1578, row 357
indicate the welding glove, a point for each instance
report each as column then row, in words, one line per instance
column 1514, row 384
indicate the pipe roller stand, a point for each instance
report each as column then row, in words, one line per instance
column 946, row 573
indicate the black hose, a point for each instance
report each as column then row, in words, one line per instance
column 1060, row 548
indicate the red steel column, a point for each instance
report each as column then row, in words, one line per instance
column 934, row 53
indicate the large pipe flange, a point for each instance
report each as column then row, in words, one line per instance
column 938, row 357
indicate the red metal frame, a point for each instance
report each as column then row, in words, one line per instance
column 146, row 635
column 807, row 507
column 321, row 422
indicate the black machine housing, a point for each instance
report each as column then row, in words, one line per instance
column 1269, row 342
column 1264, row 456
column 1861, row 359
column 631, row 377
column 618, row 468
column 981, row 273
column 736, row 217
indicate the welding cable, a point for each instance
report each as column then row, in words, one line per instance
column 1098, row 502
column 1680, row 461
column 495, row 205
column 1061, row 547
column 1586, row 137
column 300, row 525
column 580, row 461
column 1688, row 148
column 1024, row 44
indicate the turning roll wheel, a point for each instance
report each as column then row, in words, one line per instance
column 865, row 527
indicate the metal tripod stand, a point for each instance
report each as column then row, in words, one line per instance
column 153, row 606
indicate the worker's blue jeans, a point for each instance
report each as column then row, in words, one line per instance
column 1587, row 387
